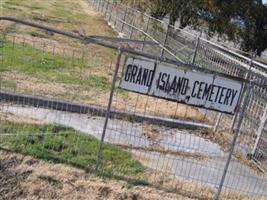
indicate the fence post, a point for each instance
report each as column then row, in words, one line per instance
column 235, row 131
column 106, row 10
column 102, row 6
column 99, row 154
column 111, row 10
column 2, row 44
column 116, row 18
column 196, row 48
column 146, row 30
column 123, row 20
column 260, row 131
column 165, row 41
column 92, row 2
column 216, row 125
column 132, row 28
column 98, row 5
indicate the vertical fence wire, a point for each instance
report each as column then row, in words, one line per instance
column 181, row 160
column 108, row 109
column 214, row 59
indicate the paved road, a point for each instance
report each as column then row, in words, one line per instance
column 206, row 171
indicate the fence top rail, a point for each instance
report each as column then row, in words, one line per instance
column 263, row 66
column 98, row 41
column 155, row 41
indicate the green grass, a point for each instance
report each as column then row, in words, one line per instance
column 49, row 67
column 25, row 58
column 60, row 144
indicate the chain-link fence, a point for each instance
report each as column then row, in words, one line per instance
column 192, row 48
column 63, row 104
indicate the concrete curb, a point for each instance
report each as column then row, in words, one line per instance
column 43, row 102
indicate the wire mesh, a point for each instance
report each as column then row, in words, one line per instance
column 73, row 84
column 209, row 55
column 216, row 58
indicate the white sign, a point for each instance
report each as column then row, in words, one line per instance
column 181, row 84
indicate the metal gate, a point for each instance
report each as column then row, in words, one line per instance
column 64, row 104
column 190, row 47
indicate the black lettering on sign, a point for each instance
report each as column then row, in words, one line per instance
column 167, row 87
column 128, row 73
column 158, row 81
column 227, row 96
column 170, row 85
column 234, row 93
column 185, row 86
column 194, row 94
column 139, row 76
column 217, row 95
column 145, row 77
column 211, row 93
column 222, row 95
column 150, row 78
column 200, row 89
column 206, row 91
column 134, row 72
column 163, row 81
column 179, row 85
column 173, row 85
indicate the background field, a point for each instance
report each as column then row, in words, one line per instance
column 41, row 63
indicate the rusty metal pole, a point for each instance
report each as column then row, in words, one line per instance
column 217, row 123
column 99, row 154
column 146, row 30
column 238, row 118
column 196, row 49
column 260, row 131
column 123, row 20
column 165, row 42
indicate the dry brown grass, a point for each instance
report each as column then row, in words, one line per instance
column 159, row 149
column 250, row 163
column 222, row 138
column 218, row 137
column 191, row 189
column 29, row 178
column 23, row 177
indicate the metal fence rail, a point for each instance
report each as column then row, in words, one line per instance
column 195, row 163
column 188, row 47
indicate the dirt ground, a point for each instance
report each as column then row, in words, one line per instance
column 23, row 177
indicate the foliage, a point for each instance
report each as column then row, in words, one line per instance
column 240, row 21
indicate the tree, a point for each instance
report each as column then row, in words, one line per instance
column 240, row 21
column 254, row 31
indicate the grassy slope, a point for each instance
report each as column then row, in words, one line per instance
column 47, row 66
column 64, row 14
column 69, row 74
column 86, row 83
column 60, row 144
